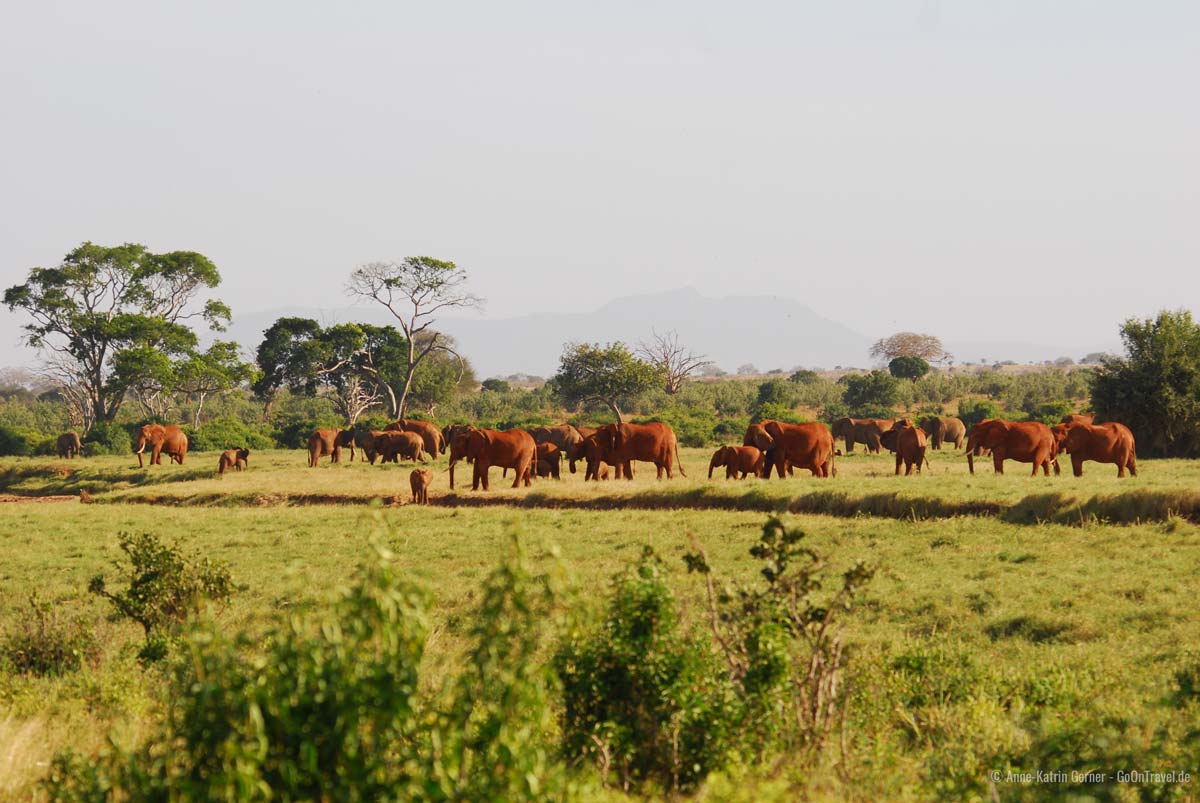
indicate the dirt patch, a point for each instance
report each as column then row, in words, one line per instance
column 10, row 499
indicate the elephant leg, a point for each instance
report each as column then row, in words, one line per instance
column 1077, row 465
column 1132, row 464
column 899, row 460
column 997, row 461
column 849, row 444
column 156, row 456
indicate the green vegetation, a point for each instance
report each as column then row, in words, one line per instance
column 1009, row 626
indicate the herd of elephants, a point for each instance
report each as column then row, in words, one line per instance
column 768, row 446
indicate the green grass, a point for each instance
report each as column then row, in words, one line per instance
column 978, row 633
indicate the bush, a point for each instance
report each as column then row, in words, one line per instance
column 875, row 390
column 641, row 699
column 294, row 434
column 972, row 411
column 106, row 437
column 14, row 443
column 337, row 708
column 803, row 376
column 495, row 386
column 42, row 643
column 692, row 427
column 165, row 588
column 1049, row 413
column 227, row 433
column 778, row 412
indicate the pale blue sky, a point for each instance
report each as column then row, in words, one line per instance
column 883, row 162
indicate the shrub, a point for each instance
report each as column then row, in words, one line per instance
column 782, row 645
column 972, row 411
column 641, row 699
column 14, row 443
column 43, row 643
column 294, row 434
column 495, row 386
column 803, row 376
column 106, row 437
column 165, row 588
column 1049, row 413
column 875, row 390
column 226, row 433
column 337, row 709
column 778, row 412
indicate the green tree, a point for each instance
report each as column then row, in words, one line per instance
column 1155, row 388
column 414, row 290
column 908, row 367
column 872, row 391
column 217, row 370
column 610, row 375
column 100, row 304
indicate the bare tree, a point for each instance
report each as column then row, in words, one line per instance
column 414, row 290
column 674, row 360
column 353, row 397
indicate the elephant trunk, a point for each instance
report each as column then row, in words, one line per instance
column 971, row 458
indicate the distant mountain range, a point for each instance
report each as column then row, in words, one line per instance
column 766, row 331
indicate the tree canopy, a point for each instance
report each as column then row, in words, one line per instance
column 606, row 374
column 414, row 290
column 908, row 367
column 910, row 344
column 870, row 393
column 1155, row 388
column 110, row 319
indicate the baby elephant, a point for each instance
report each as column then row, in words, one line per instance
column 420, row 479
column 234, row 458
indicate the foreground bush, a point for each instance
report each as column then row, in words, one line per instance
column 335, row 708
column 165, row 588
column 44, row 643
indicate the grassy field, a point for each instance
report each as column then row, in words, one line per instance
column 1007, row 612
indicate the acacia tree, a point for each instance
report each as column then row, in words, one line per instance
column 675, row 361
column 910, row 344
column 100, row 304
column 610, row 375
column 1155, row 388
column 214, row 371
column 414, row 290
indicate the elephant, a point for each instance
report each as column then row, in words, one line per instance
column 1078, row 418
column 862, row 430
column 159, row 438
column 564, row 436
column 946, row 429
column 549, row 460
column 393, row 445
column 738, row 460
column 329, row 442
column 69, row 445
column 419, row 480
column 458, row 447
column 514, row 449
column 757, row 436
column 807, row 446
column 368, row 444
column 596, row 458
column 648, row 443
column 1104, row 443
column 585, row 431
column 435, row 442
column 238, row 459
column 908, row 442
column 1025, row 442
column 451, row 431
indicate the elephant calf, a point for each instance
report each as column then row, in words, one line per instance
column 738, row 460
column 420, row 479
column 549, row 460
column 238, row 459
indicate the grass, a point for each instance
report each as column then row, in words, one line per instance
column 1003, row 606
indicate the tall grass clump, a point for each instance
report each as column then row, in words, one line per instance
column 44, row 642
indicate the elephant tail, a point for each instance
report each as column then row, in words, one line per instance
column 679, row 462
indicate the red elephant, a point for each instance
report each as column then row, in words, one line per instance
column 169, row 439
column 514, row 449
column 648, row 443
column 1025, row 442
column 1104, row 443
column 802, row 446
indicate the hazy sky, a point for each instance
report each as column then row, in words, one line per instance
column 984, row 170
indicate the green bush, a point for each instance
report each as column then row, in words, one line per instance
column 294, row 433
column 908, row 367
column 227, row 433
column 42, row 643
column 873, row 391
column 14, row 443
column 972, row 411
column 106, row 437
column 777, row 412
column 1049, row 413
column 641, row 699
column 165, row 588
column 331, row 705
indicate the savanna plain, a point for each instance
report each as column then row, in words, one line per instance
column 1012, row 624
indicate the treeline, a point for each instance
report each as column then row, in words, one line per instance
column 702, row 413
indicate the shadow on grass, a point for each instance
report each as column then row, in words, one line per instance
column 62, row 479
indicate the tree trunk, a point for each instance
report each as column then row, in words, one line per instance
column 199, row 409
